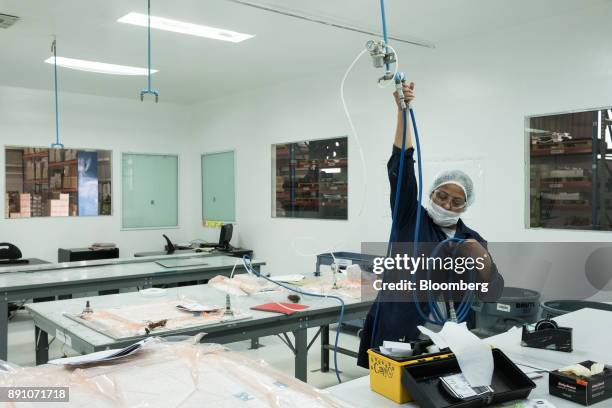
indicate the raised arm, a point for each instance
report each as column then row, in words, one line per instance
column 408, row 97
column 408, row 189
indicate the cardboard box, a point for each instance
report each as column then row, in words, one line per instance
column 70, row 154
column 29, row 170
column 55, row 155
column 24, row 205
column 585, row 391
column 45, row 169
column 60, row 208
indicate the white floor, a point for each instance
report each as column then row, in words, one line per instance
column 275, row 352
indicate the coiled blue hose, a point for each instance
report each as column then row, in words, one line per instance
column 249, row 267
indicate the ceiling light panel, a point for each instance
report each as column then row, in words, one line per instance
column 167, row 24
column 98, row 67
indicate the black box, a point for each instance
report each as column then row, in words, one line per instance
column 585, row 391
column 86, row 254
column 423, row 383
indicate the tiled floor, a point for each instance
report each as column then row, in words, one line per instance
column 275, row 352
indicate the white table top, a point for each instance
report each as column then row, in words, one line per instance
column 18, row 280
column 592, row 331
column 97, row 262
column 204, row 294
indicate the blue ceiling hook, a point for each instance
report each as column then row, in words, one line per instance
column 57, row 144
column 149, row 91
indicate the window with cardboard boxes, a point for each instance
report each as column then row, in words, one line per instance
column 43, row 182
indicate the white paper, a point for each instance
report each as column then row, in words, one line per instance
column 473, row 355
column 459, row 386
column 196, row 307
column 101, row 356
column 396, row 349
column 397, row 346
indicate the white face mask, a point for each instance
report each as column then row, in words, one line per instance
column 442, row 216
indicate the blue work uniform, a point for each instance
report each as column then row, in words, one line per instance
column 398, row 321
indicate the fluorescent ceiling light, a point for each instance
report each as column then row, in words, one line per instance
column 184, row 28
column 99, row 67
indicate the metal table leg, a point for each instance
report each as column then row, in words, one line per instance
column 301, row 354
column 3, row 326
column 41, row 343
column 255, row 343
column 324, row 349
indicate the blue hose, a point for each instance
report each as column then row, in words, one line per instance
column 398, row 186
column 149, row 44
column 149, row 90
column 57, row 144
column 249, row 267
column 393, row 234
column 384, row 26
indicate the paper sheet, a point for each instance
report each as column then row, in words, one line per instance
column 101, row 356
column 473, row 355
column 396, row 349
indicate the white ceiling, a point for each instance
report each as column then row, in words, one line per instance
column 193, row 68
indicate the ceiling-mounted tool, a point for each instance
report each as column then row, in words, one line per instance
column 57, row 144
column 149, row 90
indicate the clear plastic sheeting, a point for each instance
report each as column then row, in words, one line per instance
column 172, row 374
column 241, row 285
column 131, row 321
column 349, row 288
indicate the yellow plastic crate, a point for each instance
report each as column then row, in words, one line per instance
column 386, row 374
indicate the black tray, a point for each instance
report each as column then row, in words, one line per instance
column 423, row 383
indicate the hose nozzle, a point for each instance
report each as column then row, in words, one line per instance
column 400, row 78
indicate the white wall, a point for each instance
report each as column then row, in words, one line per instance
column 121, row 125
column 472, row 97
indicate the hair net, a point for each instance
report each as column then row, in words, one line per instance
column 459, row 178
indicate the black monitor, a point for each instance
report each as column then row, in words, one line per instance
column 225, row 236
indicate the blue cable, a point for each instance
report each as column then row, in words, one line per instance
column 249, row 267
column 149, row 44
column 398, row 186
column 435, row 310
column 149, row 90
column 393, row 234
column 384, row 26
column 57, row 144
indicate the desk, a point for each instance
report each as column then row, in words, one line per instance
column 357, row 394
column 28, row 282
column 49, row 318
column 588, row 344
column 236, row 252
column 31, row 261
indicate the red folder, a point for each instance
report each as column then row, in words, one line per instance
column 284, row 308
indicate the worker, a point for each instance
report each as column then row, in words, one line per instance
column 451, row 193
